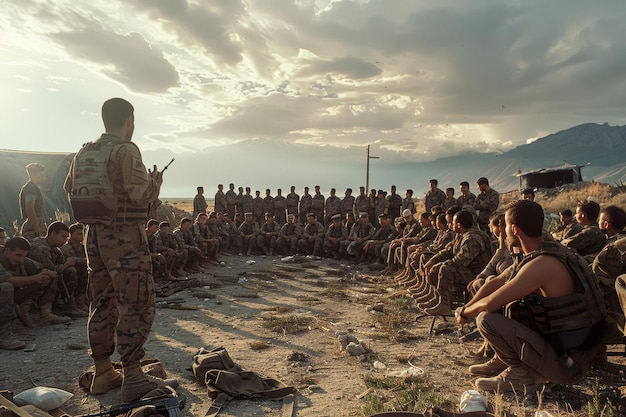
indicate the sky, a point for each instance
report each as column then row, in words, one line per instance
column 417, row 80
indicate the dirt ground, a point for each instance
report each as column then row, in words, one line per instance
column 279, row 319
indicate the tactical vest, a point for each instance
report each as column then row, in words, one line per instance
column 93, row 196
column 571, row 314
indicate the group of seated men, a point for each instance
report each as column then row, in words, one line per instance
column 42, row 281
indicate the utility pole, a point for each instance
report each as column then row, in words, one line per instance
column 367, row 170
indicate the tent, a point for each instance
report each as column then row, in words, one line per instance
column 13, row 175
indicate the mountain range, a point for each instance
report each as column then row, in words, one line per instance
column 275, row 164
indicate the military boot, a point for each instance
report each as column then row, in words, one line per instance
column 47, row 317
column 23, row 311
column 137, row 385
column 105, row 378
column 517, row 378
column 493, row 367
column 8, row 341
column 72, row 310
column 433, row 301
column 442, row 308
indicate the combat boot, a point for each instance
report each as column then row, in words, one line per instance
column 137, row 385
column 72, row 310
column 493, row 367
column 47, row 317
column 433, row 301
column 8, row 341
column 442, row 308
column 426, row 295
column 23, row 311
column 517, row 378
column 105, row 378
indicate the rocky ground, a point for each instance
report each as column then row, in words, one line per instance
column 279, row 319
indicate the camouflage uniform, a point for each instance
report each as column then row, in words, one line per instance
column 359, row 235
column 569, row 230
column 608, row 266
column 77, row 251
column 486, row 204
column 209, row 244
column 247, row 203
column 589, row 241
column 11, row 296
column 279, row 209
column 52, row 258
column 291, row 203
column 174, row 262
column 381, row 236
column 463, row 259
column 449, row 203
column 361, row 205
column 312, row 239
column 395, row 204
column 288, row 237
column 333, row 204
column 381, row 207
column 258, row 208
column 317, row 206
column 466, row 201
column 231, row 203
column 268, row 204
column 121, row 286
column 187, row 242
column 408, row 204
column 306, row 202
column 335, row 235
column 267, row 237
column 346, row 205
column 220, row 202
column 248, row 232
column 199, row 205
column 434, row 198
column 31, row 191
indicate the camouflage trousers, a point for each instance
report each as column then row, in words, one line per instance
column 287, row 245
column 11, row 296
column 120, row 290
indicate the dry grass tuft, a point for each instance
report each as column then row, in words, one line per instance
column 288, row 325
column 258, row 345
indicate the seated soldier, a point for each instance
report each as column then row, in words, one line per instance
column 360, row 233
column 459, row 263
column 268, row 235
column 159, row 261
column 186, row 241
column 175, row 255
column 47, row 251
column 24, row 283
column 607, row 266
column 312, row 237
column 372, row 250
column 289, row 235
column 334, row 237
column 74, row 248
column 425, row 236
column 248, row 231
column 411, row 229
column 590, row 240
column 208, row 244
column 611, row 222
column 564, row 294
column 568, row 226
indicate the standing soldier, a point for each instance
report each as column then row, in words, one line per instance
column 466, row 198
column 486, row 203
column 305, row 204
column 268, row 202
column 395, row 202
column 199, row 202
column 220, row 200
column 247, row 203
column 381, row 205
column 231, row 201
column 279, row 207
column 361, row 202
column 258, row 206
column 332, row 206
column 239, row 200
column 435, row 197
column 450, row 201
column 110, row 191
column 292, row 201
column 347, row 203
column 407, row 201
column 317, row 205
column 32, row 204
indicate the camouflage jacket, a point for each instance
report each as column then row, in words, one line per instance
column 466, row 201
column 306, row 202
column 50, row 258
column 249, row 229
column 362, row 231
column 485, row 204
column 340, row 232
column 347, row 205
column 361, row 205
column 385, row 233
column 434, row 198
column 471, row 250
column 185, row 238
column 333, row 204
column 291, row 229
column 588, row 241
column 27, row 268
column 316, row 229
column 220, row 202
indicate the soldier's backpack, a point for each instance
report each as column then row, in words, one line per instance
column 225, row 380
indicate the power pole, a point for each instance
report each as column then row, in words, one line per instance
column 367, row 169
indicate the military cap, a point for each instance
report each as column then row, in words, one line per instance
column 336, row 217
column 406, row 213
column 248, row 214
column 363, row 214
column 311, row 215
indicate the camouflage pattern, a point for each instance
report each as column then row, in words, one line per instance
column 382, row 236
column 32, row 192
column 268, row 204
column 486, row 203
column 52, row 258
column 588, row 241
column 199, row 205
column 187, row 242
column 449, row 203
column 306, row 202
column 395, row 205
column 239, row 201
column 77, row 251
column 231, row 203
column 441, row 241
column 335, row 235
column 468, row 200
column 408, row 204
column 607, row 266
column 380, row 207
column 258, row 208
column 209, row 245
column 318, row 204
column 220, row 202
column 333, row 204
column 292, row 202
column 247, row 203
column 312, row 239
column 569, row 230
column 248, row 232
column 174, row 261
column 121, row 291
column 280, row 214
column 434, row 198
column 267, row 237
column 10, row 296
column 288, row 237
column 358, row 237
column 472, row 251
column 361, row 205
column 346, row 205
